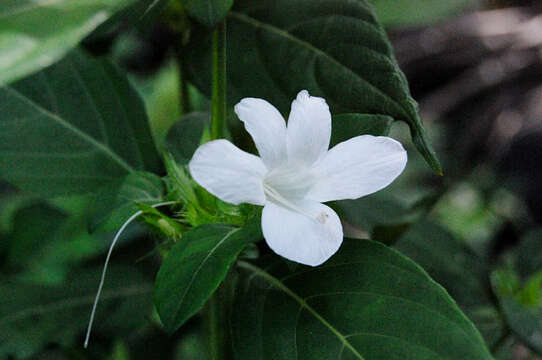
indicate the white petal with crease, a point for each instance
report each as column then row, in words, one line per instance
column 300, row 238
column 358, row 167
column 267, row 127
column 309, row 129
column 229, row 173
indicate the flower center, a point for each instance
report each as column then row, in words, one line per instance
column 285, row 185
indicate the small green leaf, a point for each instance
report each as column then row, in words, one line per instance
column 208, row 12
column 368, row 302
column 185, row 135
column 334, row 49
column 116, row 202
column 35, row 34
column 346, row 126
column 194, row 268
column 72, row 128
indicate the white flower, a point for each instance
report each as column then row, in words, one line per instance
column 296, row 173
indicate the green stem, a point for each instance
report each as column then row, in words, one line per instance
column 213, row 328
column 184, row 101
column 218, row 108
column 216, row 316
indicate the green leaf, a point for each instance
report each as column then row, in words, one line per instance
column 33, row 316
column 525, row 320
column 184, row 136
column 72, row 128
column 368, row 302
column 334, row 49
column 32, row 229
column 116, row 201
column 194, row 268
column 447, row 260
column 346, row 126
column 208, row 12
column 458, row 268
column 35, row 34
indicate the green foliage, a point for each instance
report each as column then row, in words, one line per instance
column 521, row 306
column 58, row 314
column 35, row 34
column 337, row 50
column 409, row 12
column 361, row 304
column 185, row 135
column 194, row 268
column 116, row 202
column 54, row 142
column 345, row 125
column 208, row 12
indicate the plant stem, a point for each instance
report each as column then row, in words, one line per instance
column 184, row 102
column 216, row 323
column 218, row 108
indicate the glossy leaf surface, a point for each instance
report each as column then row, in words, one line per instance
column 369, row 302
column 194, row 268
column 53, row 142
column 334, row 49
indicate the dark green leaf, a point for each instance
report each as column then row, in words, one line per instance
column 346, row 126
column 371, row 211
column 195, row 267
column 33, row 315
column 456, row 267
column 447, row 260
column 116, row 202
column 35, row 34
column 368, row 302
column 185, row 135
column 33, row 227
column 208, row 12
column 72, row 128
column 334, row 49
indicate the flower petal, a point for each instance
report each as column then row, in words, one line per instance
column 309, row 129
column 229, row 173
column 266, row 126
column 310, row 238
column 357, row 167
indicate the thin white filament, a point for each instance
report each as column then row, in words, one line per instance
column 117, row 235
column 275, row 196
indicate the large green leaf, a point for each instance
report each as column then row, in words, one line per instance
column 32, row 316
column 335, row 49
column 195, row 267
column 458, row 268
column 208, row 12
column 346, row 126
column 448, row 260
column 368, row 302
column 35, row 34
column 73, row 127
